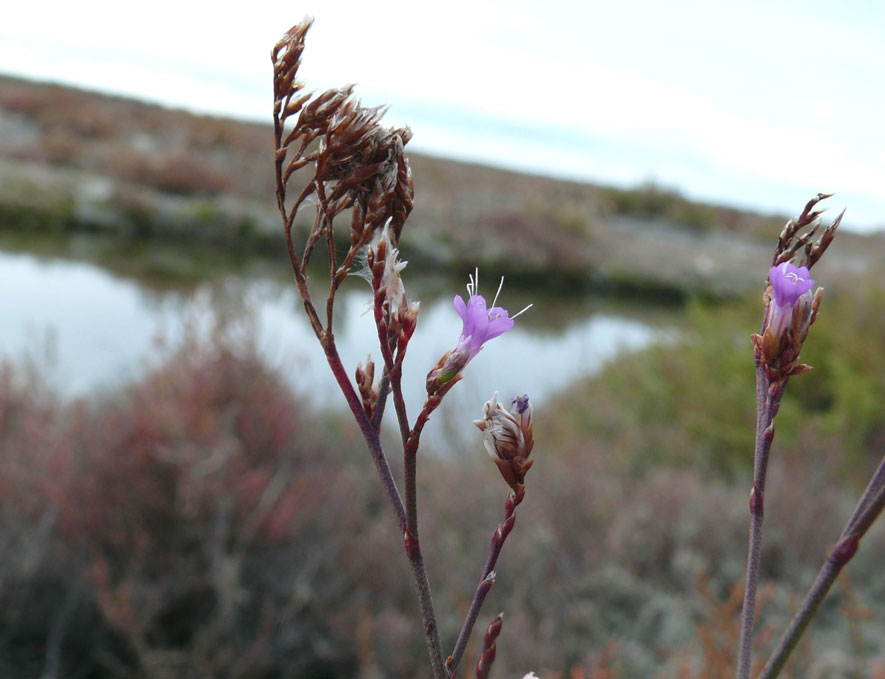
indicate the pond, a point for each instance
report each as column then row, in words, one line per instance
column 86, row 328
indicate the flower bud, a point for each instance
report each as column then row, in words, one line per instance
column 446, row 372
column 365, row 381
column 389, row 268
column 507, row 437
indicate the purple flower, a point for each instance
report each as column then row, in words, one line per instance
column 479, row 324
column 789, row 284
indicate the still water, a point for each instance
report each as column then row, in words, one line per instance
column 87, row 329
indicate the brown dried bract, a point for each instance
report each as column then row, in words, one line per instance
column 791, row 241
column 329, row 147
column 779, row 355
column 356, row 163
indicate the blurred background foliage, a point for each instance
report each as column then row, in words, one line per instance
column 205, row 520
column 685, row 402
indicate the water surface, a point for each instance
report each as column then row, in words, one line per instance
column 88, row 329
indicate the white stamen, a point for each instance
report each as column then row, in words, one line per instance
column 473, row 285
column 792, row 275
column 500, row 285
column 520, row 313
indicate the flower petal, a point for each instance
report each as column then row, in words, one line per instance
column 460, row 307
column 499, row 322
column 789, row 282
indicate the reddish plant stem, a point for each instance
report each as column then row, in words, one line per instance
column 369, row 432
column 768, row 397
column 487, row 657
column 412, row 546
column 383, row 391
column 410, row 452
column 486, row 580
column 869, row 507
column 288, row 219
column 393, row 369
column 399, row 403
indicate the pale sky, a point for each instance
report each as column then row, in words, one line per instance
column 756, row 104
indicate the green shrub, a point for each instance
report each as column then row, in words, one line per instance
column 692, row 401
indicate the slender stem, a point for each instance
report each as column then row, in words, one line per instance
column 399, row 403
column 768, row 400
column 410, row 452
column 868, row 509
column 873, row 489
column 486, row 580
column 368, row 430
column 431, row 633
column 393, row 368
column 413, row 549
column 383, row 391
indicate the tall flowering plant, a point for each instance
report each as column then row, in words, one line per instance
column 333, row 153
column 791, row 307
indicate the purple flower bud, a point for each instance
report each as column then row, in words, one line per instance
column 789, row 284
column 523, row 407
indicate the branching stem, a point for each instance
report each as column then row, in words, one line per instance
column 486, row 580
column 869, row 507
column 412, row 546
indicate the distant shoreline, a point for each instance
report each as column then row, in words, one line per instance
column 79, row 162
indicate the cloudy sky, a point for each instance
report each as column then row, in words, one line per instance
column 757, row 104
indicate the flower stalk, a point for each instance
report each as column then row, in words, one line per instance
column 507, row 436
column 790, row 310
column 347, row 162
column 868, row 509
column 357, row 165
column 486, row 580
